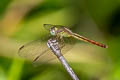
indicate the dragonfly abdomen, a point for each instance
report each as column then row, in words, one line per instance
column 87, row 40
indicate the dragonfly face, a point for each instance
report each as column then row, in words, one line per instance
column 52, row 28
column 53, row 31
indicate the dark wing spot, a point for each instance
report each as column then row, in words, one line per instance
column 36, row 59
column 21, row 48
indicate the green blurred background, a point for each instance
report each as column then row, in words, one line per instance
column 22, row 21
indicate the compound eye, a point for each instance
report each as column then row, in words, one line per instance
column 52, row 31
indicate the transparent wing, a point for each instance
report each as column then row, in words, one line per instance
column 32, row 49
column 48, row 26
column 38, row 51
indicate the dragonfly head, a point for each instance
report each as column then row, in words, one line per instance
column 51, row 28
column 53, row 31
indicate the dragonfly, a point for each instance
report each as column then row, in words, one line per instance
column 38, row 51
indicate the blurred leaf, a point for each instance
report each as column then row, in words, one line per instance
column 113, row 49
column 101, row 10
column 45, row 7
column 50, row 74
column 3, row 6
column 15, row 70
column 2, row 74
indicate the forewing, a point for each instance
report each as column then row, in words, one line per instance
column 33, row 49
column 49, row 26
column 38, row 51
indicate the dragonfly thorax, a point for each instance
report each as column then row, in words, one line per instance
column 61, row 32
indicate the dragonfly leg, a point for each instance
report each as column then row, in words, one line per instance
column 62, row 43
